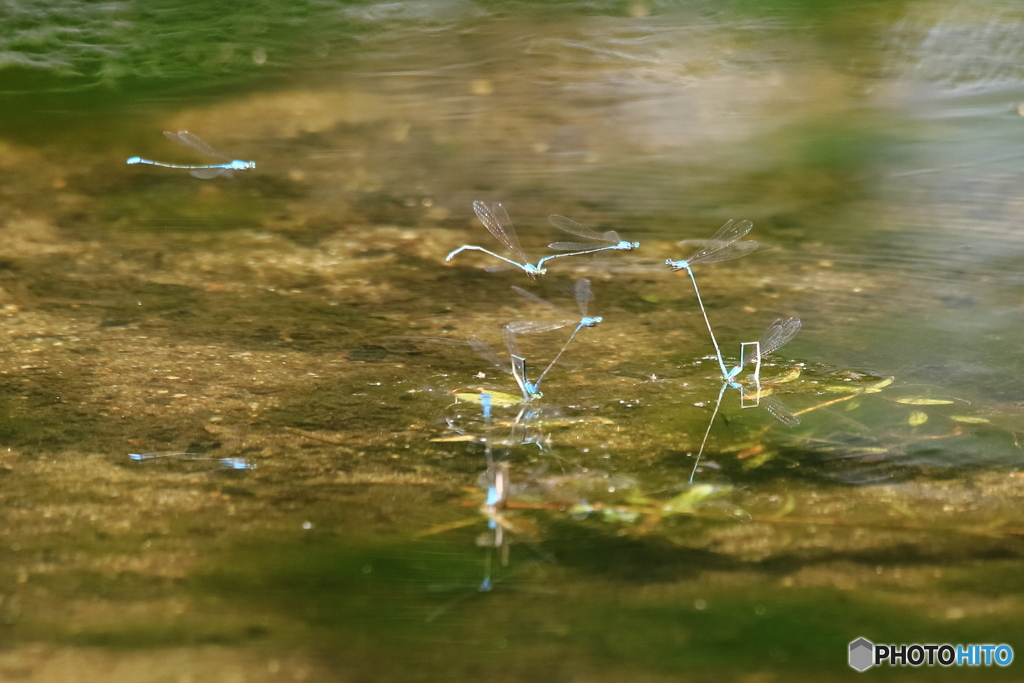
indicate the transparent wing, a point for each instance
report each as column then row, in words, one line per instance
column 713, row 253
column 519, row 373
column 583, row 295
column 533, row 297
column 518, row 361
column 570, row 246
column 778, row 333
column 194, row 142
column 780, row 411
column 497, row 222
column 501, row 267
column 537, row 326
column 510, row 342
column 721, row 241
column 207, row 173
column 486, row 352
column 573, row 228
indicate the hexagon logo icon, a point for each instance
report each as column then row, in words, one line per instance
column 862, row 654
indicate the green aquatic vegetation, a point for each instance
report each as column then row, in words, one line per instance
column 79, row 45
column 687, row 501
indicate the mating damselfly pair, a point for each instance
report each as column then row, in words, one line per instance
column 497, row 222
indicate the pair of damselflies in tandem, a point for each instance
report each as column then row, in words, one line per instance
column 497, row 222
column 195, row 143
column 518, row 364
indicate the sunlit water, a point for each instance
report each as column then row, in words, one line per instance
column 348, row 511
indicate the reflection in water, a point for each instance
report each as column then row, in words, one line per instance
column 225, row 463
column 495, row 481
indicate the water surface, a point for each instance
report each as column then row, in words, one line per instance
column 301, row 317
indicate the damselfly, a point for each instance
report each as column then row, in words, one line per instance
column 780, row 332
column 517, row 360
column 583, row 297
column 722, row 246
column 611, row 239
column 193, row 142
column 497, row 222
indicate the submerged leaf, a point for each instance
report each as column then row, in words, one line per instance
column 923, row 401
column 750, row 452
column 687, row 500
column 917, row 418
column 787, row 507
column 640, row 500
column 620, row 514
column 759, row 459
column 787, row 376
column 872, row 388
column 497, row 398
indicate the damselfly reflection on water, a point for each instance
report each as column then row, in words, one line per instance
column 774, row 406
column 485, row 405
column 583, row 297
column 722, row 246
column 193, row 142
column 496, row 482
column 225, row 463
column 532, row 425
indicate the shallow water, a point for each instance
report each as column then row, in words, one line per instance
column 302, row 319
